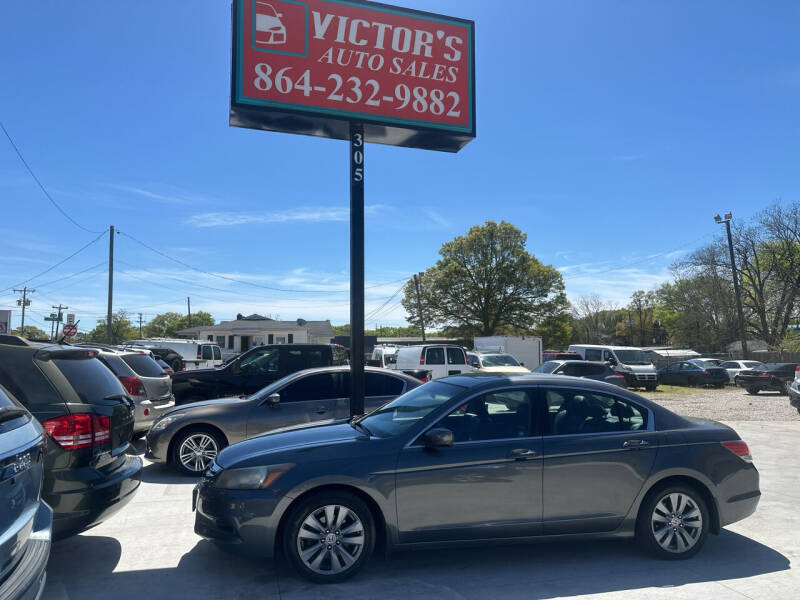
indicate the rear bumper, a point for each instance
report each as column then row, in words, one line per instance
column 154, row 410
column 26, row 581
column 738, row 496
column 794, row 395
column 102, row 496
column 762, row 383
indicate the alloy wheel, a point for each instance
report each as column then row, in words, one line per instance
column 197, row 452
column 330, row 539
column 677, row 522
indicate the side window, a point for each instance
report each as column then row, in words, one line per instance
column 208, row 353
column 434, row 356
column 593, row 354
column 495, row 416
column 377, row 384
column 313, row 387
column 583, row 411
column 729, row 365
column 291, row 338
column 455, row 356
column 607, row 355
column 687, row 366
column 266, row 362
column 572, row 369
column 473, row 360
column 217, row 353
column 595, row 369
column 230, row 341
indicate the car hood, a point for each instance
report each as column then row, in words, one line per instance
column 188, row 407
column 290, row 438
column 508, row 369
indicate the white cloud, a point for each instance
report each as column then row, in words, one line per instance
column 307, row 214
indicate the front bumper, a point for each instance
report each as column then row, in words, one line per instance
column 26, row 581
column 157, row 446
column 245, row 521
column 102, row 496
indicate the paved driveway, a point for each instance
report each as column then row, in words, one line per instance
column 149, row 552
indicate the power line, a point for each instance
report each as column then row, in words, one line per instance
column 59, row 263
column 41, row 186
column 43, row 285
column 373, row 313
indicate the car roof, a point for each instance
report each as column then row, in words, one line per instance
column 564, row 361
column 334, row 368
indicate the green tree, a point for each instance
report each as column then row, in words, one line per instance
column 121, row 329
column 555, row 331
column 487, row 283
column 169, row 323
column 31, row 332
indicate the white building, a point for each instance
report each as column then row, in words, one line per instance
column 254, row 330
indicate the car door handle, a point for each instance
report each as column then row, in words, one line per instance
column 635, row 444
column 321, row 410
column 522, row 453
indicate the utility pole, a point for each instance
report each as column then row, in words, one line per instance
column 23, row 302
column 736, row 290
column 419, row 305
column 140, row 325
column 109, row 321
column 189, row 309
column 59, row 308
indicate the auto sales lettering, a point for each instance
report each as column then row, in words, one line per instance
column 356, row 60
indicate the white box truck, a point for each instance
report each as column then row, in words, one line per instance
column 526, row 349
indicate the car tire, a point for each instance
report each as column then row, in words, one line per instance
column 651, row 387
column 343, row 557
column 692, row 381
column 784, row 388
column 176, row 365
column 736, row 381
column 752, row 390
column 203, row 439
column 668, row 534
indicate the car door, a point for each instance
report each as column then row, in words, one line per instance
column 305, row 399
column 456, row 361
column 598, row 449
column 434, row 360
column 486, row 485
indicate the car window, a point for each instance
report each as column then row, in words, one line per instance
column 729, row 365
column 607, row 355
column 595, row 369
column 455, row 356
column 322, row 386
column 494, row 416
column 474, row 361
column 207, row 352
column 583, row 411
column 593, row 354
column 573, row 369
column 378, row 384
column 266, row 361
column 751, row 364
column 402, row 413
column 143, row 365
column 434, row 356
column 547, row 367
column 688, row 366
column 217, row 353
column 500, row 360
column 90, row 379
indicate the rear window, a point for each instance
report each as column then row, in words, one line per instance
column 90, row 379
column 6, row 402
column 435, row 356
column 593, row 354
column 378, row 384
column 217, row 353
column 143, row 365
column 208, row 353
column 455, row 356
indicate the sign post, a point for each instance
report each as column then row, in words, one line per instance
column 359, row 71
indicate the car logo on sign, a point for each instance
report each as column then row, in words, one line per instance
column 270, row 30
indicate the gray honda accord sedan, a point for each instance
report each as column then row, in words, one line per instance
column 479, row 459
column 190, row 436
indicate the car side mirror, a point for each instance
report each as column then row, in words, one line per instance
column 522, row 364
column 273, row 400
column 612, row 361
column 438, row 438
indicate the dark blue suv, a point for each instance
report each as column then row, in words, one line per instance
column 26, row 521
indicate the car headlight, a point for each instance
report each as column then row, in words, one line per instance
column 162, row 424
column 250, row 478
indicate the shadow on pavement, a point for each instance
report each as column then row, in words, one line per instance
column 525, row 571
column 158, row 473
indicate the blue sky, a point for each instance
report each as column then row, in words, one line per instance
column 611, row 132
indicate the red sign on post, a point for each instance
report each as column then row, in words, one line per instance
column 314, row 66
column 69, row 330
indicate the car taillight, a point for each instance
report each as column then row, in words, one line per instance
column 73, row 432
column 739, row 448
column 422, row 357
column 704, row 372
column 183, row 365
column 132, row 385
column 168, row 371
column 424, row 379
column 764, row 374
column 797, row 368
column 198, row 352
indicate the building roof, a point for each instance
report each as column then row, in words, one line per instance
column 258, row 324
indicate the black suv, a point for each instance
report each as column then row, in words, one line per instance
column 253, row 370
column 88, row 418
column 25, row 519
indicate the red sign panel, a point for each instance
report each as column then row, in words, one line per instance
column 313, row 66
column 69, row 330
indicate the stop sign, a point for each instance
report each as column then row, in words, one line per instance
column 70, row 329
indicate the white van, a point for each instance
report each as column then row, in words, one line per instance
column 385, row 356
column 632, row 363
column 441, row 360
column 197, row 354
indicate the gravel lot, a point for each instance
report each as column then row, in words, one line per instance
column 727, row 404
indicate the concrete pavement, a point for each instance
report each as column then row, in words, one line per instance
column 149, row 551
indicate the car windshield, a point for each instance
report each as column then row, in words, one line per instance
column 499, row 360
column 704, row 364
column 390, row 359
column 403, row 412
column 751, row 364
column 632, row 357
column 547, row 367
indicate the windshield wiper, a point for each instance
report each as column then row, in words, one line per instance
column 7, row 414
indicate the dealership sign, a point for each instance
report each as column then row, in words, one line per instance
column 315, row 66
